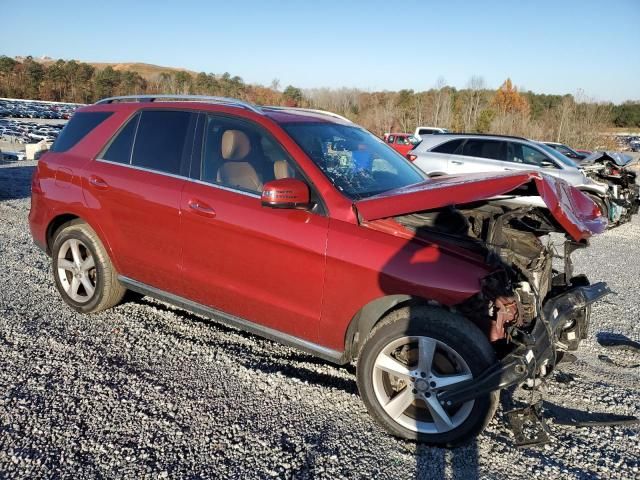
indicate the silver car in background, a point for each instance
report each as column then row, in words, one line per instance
column 454, row 154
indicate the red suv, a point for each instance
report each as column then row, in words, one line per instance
column 304, row 228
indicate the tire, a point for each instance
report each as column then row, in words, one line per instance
column 601, row 205
column 462, row 351
column 89, row 284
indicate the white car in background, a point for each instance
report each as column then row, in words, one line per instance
column 455, row 154
column 429, row 131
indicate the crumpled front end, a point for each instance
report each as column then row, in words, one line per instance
column 612, row 169
column 531, row 307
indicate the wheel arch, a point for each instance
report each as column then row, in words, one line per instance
column 370, row 314
column 61, row 219
column 54, row 225
column 594, row 190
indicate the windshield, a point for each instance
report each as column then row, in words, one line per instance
column 558, row 156
column 359, row 164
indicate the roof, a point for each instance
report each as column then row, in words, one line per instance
column 430, row 141
column 276, row 113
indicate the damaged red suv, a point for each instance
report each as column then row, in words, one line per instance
column 304, row 228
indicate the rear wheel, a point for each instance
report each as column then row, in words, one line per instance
column 82, row 270
column 414, row 354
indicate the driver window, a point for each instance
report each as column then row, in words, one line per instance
column 239, row 155
column 524, row 154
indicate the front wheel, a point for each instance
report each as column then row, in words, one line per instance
column 410, row 357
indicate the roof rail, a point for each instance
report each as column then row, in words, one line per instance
column 483, row 135
column 310, row 110
column 182, row 98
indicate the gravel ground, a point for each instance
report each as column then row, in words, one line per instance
column 147, row 390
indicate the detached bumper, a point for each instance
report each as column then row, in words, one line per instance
column 561, row 326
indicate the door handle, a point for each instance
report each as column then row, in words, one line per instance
column 507, row 168
column 98, row 182
column 201, row 208
column 457, row 162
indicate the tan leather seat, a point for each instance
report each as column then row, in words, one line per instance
column 236, row 171
column 282, row 169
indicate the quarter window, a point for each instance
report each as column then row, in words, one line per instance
column 78, row 127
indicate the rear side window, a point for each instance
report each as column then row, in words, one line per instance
column 448, row 147
column 493, row 149
column 161, row 140
column 78, row 127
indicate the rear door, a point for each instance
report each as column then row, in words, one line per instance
column 136, row 183
column 478, row 155
column 261, row 264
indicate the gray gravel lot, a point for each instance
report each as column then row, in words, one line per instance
column 147, row 390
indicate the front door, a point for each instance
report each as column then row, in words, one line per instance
column 261, row 264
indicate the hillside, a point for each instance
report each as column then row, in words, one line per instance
column 146, row 70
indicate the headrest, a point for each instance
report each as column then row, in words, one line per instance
column 281, row 169
column 235, row 145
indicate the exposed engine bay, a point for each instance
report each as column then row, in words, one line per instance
column 612, row 169
column 516, row 242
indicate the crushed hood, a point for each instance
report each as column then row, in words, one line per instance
column 575, row 212
column 619, row 158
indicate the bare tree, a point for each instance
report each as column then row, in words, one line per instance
column 442, row 109
column 472, row 102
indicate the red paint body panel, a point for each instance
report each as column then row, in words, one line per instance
column 140, row 212
column 299, row 272
column 254, row 262
column 364, row 264
column 577, row 214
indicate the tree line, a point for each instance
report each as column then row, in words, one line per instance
column 573, row 119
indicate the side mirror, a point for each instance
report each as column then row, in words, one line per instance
column 546, row 164
column 286, row 193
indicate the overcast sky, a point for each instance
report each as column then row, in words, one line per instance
column 544, row 46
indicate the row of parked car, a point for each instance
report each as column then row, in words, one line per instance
column 19, row 131
column 604, row 176
column 302, row 227
column 629, row 142
column 32, row 109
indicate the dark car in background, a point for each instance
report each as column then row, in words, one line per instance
column 566, row 151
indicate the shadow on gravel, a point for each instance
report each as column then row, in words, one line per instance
column 451, row 463
column 291, row 365
column 15, row 182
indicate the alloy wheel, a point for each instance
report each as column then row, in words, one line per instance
column 77, row 270
column 408, row 374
